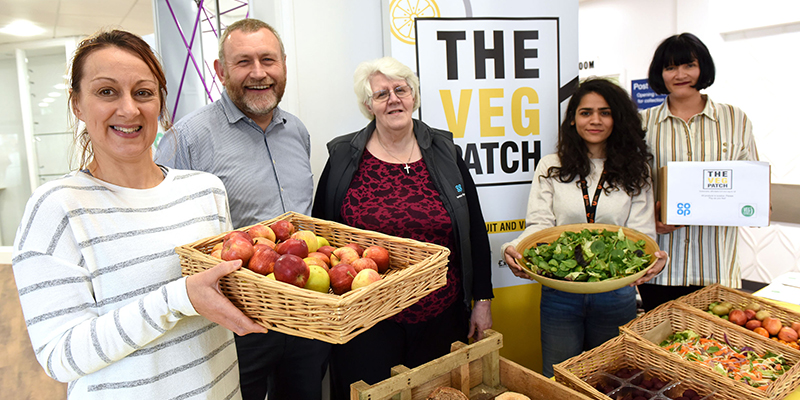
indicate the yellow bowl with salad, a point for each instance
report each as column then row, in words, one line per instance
column 624, row 256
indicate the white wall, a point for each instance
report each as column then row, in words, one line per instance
column 621, row 35
column 754, row 48
column 14, row 190
column 332, row 38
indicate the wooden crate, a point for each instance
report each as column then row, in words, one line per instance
column 654, row 326
column 476, row 370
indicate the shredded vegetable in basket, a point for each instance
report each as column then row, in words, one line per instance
column 743, row 365
column 590, row 255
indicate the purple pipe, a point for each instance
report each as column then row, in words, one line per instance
column 188, row 55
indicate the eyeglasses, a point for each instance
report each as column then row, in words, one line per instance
column 383, row 95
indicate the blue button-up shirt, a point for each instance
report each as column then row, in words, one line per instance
column 266, row 172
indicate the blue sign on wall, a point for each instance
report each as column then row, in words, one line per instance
column 644, row 96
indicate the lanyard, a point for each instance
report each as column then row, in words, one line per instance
column 591, row 208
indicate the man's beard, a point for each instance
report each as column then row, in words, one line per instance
column 256, row 104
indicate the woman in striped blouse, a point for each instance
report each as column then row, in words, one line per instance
column 688, row 126
column 99, row 281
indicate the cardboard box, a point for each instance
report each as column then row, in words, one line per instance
column 723, row 193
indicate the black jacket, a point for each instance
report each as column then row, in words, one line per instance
column 451, row 178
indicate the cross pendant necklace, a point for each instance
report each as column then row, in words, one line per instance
column 406, row 167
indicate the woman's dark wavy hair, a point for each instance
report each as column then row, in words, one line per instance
column 627, row 162
column 678, row 50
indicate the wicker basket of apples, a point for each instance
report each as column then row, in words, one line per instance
column 746, row 311
column 318, row 279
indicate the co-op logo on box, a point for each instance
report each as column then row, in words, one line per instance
column 684, row 209
column 718, row 179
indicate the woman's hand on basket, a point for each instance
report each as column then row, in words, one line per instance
column 480, row 320
column 511, row 256
column 662, row 259
column 208, row 300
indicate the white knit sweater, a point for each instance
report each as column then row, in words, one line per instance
column 102, row 294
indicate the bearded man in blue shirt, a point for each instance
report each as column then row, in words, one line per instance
column 262, row 155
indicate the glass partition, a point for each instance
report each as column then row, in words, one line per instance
column 35, row 133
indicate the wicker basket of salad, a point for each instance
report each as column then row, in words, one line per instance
column 751, row 366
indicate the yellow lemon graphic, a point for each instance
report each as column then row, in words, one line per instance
column 402, row 14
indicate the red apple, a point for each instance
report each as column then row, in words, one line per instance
column 772, row 325
column 796, row 327
column 787, row 334
column 737, row 316
column 237, row 233
column 752, row 324
column 357, row 247
column 321, row 256
column 264, row 241
column 342, row 278
column 309, row 237
column 263, row 259
column 380, row 255
column 293, row 246
column 365, row 263
column 327, row 250
column 750, row 314
column 364, row 278
column 291, row 269
column 237, row 248
column 316, row 261
column 263, row 231
column 344, row 255
column 283, row 229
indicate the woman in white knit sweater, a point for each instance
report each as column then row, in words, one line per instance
column 600, row 173
column 94, row 262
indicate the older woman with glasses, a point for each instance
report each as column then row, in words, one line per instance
column 403, row 178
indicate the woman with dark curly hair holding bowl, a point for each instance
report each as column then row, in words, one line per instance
column 401, row 177
column 601, row 153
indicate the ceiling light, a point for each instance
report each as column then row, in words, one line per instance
column 54, row 94
column 43, row 105
column 22, row 27
column 48, row 100
column 61, row 86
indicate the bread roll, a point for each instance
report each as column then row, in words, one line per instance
column 512, row 396
column 447, row 393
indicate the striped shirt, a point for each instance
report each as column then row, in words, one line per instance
column 266, row 172
column 102, row 294
column 699, row 255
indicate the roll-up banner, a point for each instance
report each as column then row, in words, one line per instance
column 496, row 74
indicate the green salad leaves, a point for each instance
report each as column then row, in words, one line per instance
column 590, row 255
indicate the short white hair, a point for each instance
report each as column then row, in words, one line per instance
column 389, row 67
